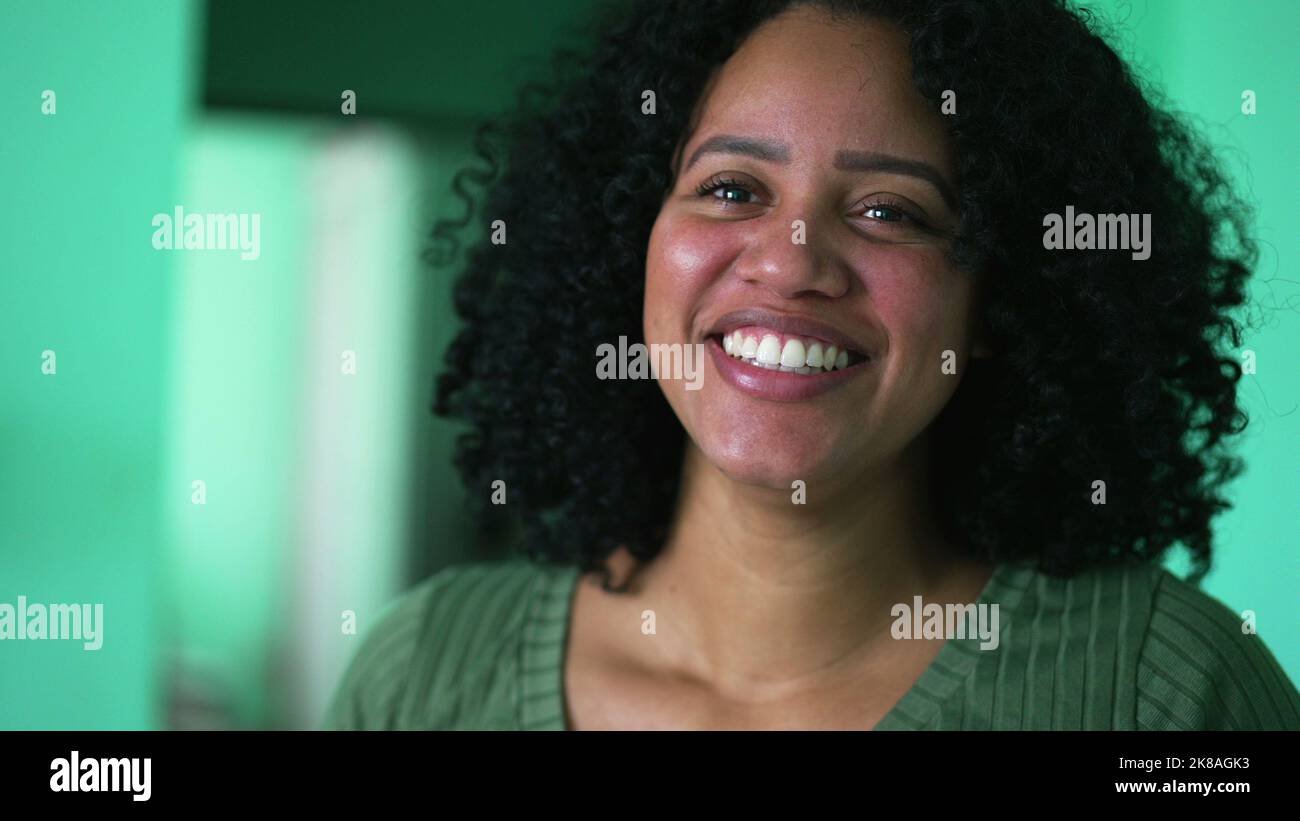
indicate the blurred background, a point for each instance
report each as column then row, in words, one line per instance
column 227, row 453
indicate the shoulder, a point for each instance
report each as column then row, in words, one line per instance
column 1202, row 668
column 1125, row 647
column 452, row 635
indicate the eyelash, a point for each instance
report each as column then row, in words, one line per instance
column 713, row 184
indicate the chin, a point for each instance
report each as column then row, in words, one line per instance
column 770, row 459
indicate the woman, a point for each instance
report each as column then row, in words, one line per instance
column 911, row 396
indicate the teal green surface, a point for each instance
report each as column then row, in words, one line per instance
column 80, row 490
column 233, row 422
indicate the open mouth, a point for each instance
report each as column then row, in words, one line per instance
column 788, row 353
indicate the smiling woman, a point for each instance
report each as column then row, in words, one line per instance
column 907, row 397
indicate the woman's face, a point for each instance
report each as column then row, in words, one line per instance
column 812, row 208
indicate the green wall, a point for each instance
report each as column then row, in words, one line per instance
column 80, row 491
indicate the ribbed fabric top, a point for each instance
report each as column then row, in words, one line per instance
column 481, row 646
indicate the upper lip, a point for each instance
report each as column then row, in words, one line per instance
column 788, row 324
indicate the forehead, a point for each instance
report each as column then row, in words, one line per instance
column 825, row 84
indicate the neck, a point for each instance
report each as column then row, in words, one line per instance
column 766, row 593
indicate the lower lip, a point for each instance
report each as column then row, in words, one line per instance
column 780, row 386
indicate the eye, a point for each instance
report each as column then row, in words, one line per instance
column 727, row 191
column 891, row 212
column 884, row 213
column 732, row 193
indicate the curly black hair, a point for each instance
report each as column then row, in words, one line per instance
column 1105, row 368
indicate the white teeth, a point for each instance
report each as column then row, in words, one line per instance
column 803, row 356
column 814, row 359
column 792, row 355
column 769, row 350
column 828, row 359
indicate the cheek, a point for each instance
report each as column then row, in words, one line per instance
column 924, row 305
column 921, row 298
column 683, row 260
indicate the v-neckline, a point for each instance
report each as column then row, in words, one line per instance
column 547, row 625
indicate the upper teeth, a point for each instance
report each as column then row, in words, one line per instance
column 798, row 355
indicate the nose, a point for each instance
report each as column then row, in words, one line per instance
column 792, row 260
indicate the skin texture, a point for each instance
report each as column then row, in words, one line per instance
column 771, row 614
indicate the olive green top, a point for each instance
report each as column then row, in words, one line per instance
column 481, row 646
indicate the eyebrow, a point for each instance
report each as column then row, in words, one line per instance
column 729, row 144
column 769, row 151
